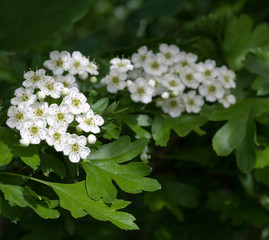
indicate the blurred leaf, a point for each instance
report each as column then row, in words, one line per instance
column 240, row 38
column 172, row 195
column 5, row 154
column 104, row 167
column 112, row 130
column 15, row 196
column 183, row 125
column 261, row 68
column 8, row 211
column 33, row 22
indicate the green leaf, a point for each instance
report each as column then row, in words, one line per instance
column 112, row 130
column 240, row 38
column 29, row 155
column 16, row 197
column 239, row 132
column 50, row 163
column 8, row 211
column 134, row 122
column 36, row 21
column 172, row 196
column 5, row 154
column 74, row 198
column 262, row 158
column 183, row 125
column 261, row 68
column 104, row 167
column 100, row 105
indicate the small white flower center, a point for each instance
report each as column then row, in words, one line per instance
column 75, row 147
column 75, row 102
column 24, row 97
column 39, row 112
column 60, row 116
column 33, row 130
column 19, row 116
column 76, row 64
column 155, row 65
column 56, row 136
column 50, row 86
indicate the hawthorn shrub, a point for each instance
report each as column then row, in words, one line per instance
column 148, row 116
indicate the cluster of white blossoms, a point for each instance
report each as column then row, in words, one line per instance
column 45, row 106
column 179, row 82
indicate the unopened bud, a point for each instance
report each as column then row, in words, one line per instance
column 152, row 83
column 91, row 139
column 175, row 93
column 41, row 96
column 24, row 142
column 93, row 79
column 129, row 83
column 65, row 91
column 165, row 95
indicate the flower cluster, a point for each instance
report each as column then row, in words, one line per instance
column 180, row 82
column 74, row 63
column 45, row 107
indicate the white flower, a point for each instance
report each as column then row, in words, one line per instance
column 75, row 148
column 173, row 106
column 38, row 110
column 78, row 63
column 34, row 130
column 24, row 95
column 188, row 78
column 59, row 115
column 227, row 100
column 193, row 102
column 211, row 90
column 136, row 73
column 172, row 82
column 59, row 62
column 158, row 87
column 121, row 65
column 68, row 80
column 155, row 65
column 51, row 88
column 32, row 78
column 141, row 91
column 91, row 139
column 92, row 68
column 17, row 115
column 186, row 59
column 226, row 77
column 206, row 71
column 139, row 58
column 76, row 101
column 90, row 122
column 115, row 81
column 57, row 137
column 170, row 53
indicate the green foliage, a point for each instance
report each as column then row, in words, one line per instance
column 239, row 132
column 17, row 33
column 240, row 38
column 107, row 165
column 182, row 125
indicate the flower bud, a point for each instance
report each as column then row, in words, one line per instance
column 152, row 83
column 78, row 129
column 41, row 96
column 65, row 91
column 175, row 93
column 129, row 83
column 93, row 79
column 165, row 95
column 24, row 142
column 91, row 139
